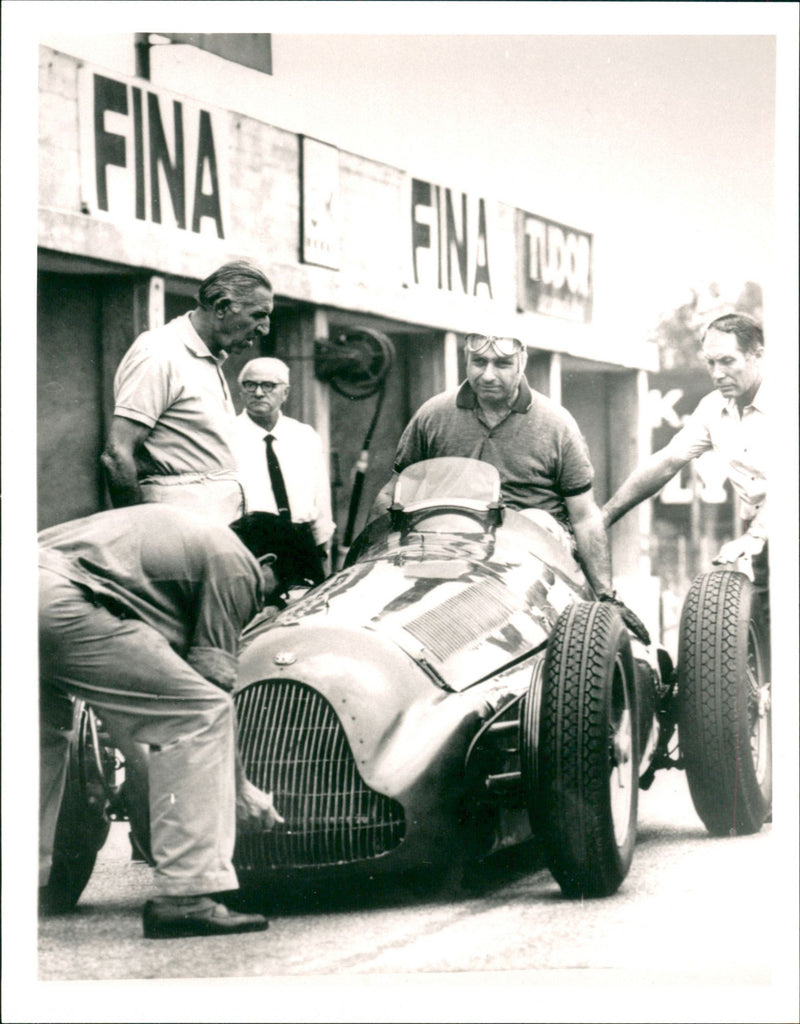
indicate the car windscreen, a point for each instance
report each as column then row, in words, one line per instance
column 452, row 480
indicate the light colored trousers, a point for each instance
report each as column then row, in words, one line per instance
column 144, row 693
column 219, row 499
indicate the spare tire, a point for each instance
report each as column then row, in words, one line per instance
column 724, row 703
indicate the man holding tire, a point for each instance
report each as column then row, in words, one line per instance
column 725, row 694
column 140, row 614
column 731, row 420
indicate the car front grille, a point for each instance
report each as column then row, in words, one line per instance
column 294, row 746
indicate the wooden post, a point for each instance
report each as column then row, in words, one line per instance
column 309, row 398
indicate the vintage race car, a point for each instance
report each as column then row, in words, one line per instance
column 456, row 689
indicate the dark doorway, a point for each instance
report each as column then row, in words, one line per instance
column 68, row 397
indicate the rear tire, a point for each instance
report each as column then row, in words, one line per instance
column 584, row 802
column 724, row 703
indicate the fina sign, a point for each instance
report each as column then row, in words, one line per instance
column 449, row 240
column 150, row 156
column 555, row 268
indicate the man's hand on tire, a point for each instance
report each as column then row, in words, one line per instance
column 629, row 617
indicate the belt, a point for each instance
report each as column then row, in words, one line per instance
column 173, row 479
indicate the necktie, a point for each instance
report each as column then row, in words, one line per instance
column 276, row 479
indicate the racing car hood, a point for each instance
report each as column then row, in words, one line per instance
column 460, row 619
column 399, row 724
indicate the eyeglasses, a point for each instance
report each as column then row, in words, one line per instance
column 502, row 346
column 267, row 386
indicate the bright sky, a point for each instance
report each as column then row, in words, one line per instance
column 662, row 146
column 654, row 128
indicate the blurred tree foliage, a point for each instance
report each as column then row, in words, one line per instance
column 678, row 333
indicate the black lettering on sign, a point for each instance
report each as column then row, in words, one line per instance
column 555, row 268
column 420, row 232
column 438, row 196
column 138, row 148
column 160, row 157
column 454, row 242
column 206, row 204
column 109, row 148
column 482, row 256
column 166, row 152
column 449, row 240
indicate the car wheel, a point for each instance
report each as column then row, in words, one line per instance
column 529, row 739
column 724, row 703
column 584, row 803
column 83, row 822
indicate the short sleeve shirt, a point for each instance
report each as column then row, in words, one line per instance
column 741, row 439
column 189, row 579
column 169, row 381
column 538, row 449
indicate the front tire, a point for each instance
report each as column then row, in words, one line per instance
column 585, row 802
column 724, row 703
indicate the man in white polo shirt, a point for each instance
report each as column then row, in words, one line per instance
column 282, row 465
column 731, row 420
column 171, row 438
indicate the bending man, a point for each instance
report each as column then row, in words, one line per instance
column 140, row 614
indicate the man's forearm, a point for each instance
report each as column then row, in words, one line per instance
column 643, row 483
column 239, row 771
column 121, row 478
column 593, row 552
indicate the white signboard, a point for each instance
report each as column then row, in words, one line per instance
column 151, row 156
column 451, row 241
column 320, row 215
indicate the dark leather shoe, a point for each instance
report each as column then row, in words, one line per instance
column 196, row 915
column 54, row 901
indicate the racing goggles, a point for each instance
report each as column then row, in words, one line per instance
column 502, row 346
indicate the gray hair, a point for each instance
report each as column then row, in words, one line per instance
column 232, row 282
column 265, row 363
column 749, row 334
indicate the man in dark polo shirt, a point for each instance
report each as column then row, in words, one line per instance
column 533, row 442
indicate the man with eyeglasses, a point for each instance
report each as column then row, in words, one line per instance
column 171, row 438
column 281, row 462
column 534, row 443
